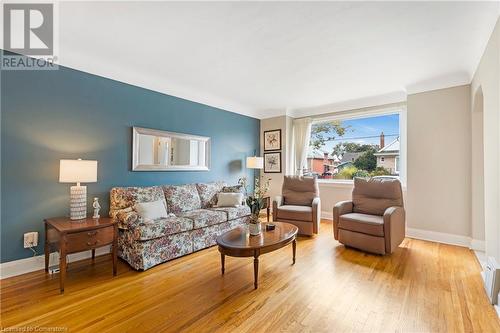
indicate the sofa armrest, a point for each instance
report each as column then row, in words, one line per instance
column 394, row 227
column 277, row 201
column 316, row 211
column 340, row 208
column 125, row 217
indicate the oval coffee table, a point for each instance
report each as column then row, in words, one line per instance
column 239, row 243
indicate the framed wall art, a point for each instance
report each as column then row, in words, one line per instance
column 272, row 162
column 272, row 140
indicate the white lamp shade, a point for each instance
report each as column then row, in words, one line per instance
column 255, row 162
column 78, row 171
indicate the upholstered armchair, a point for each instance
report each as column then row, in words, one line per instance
column 374, row 221
column 299, row 204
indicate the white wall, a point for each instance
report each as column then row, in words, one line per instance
column 438, row 161
column 330, row 194
column 487, row 80
column 477, row 169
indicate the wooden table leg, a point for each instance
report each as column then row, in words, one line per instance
column 47, row 249
column 222, row 262
column 114, row 250
column 255, row 271
column 62, row 265
column 268, row 213
column 294, row 248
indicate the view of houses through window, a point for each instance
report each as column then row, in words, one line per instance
column 360, row 147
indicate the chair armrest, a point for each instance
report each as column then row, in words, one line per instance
column 277, row 201
column 394, row 227
column 316, row 210
column 340, row 208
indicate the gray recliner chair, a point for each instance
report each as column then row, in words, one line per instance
column 299, row 204
column 374, row 221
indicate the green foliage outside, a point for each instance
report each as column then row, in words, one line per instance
column 347, row 173
column 351, row 172
column 362, row 174
column 326, row 131
column 380, row 171
column 366, row 161
column 352, row 147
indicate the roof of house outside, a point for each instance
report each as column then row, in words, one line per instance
column 349, row 157
column 320, row 154
column 392, row 147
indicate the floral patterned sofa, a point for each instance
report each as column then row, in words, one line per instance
column 193, row 223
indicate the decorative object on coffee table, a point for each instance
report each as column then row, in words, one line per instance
column 236, row 243
column 67, row 236
column 256, row 202
column 272, row 162
column 272, row 140
column 78, row 171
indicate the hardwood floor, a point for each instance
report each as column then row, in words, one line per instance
column 422, row 287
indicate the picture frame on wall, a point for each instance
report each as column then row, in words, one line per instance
column 272, row 162
column 272, row 140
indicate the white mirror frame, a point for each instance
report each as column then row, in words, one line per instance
column 136, row 131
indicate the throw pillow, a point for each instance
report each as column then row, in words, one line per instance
column 152, row 210
column 229, row 199
column 233, row 189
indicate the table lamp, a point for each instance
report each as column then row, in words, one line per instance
column 255, row 162
column 78, row 171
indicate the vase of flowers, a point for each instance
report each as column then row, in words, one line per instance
column 255, row 202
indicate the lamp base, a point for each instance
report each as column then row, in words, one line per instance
column 78, row 202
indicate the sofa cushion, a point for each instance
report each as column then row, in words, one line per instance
column 151, row 229
column 295, row 212
column 375, row 195
column 204, row 217
column 124, row 197
column 234, row 212
column 152, row 210
column 364, row 223
column 229, row 199
column 208, row 193
column 182, row 198
column 299, row 190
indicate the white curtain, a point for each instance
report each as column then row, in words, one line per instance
column 301, row 139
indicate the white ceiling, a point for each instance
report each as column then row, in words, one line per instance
column 262, row 58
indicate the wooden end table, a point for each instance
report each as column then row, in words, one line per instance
column 239, row 243
column 71, row 236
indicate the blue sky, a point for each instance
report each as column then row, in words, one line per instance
column 372, row 126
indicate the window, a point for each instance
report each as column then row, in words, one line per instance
column 355, row 146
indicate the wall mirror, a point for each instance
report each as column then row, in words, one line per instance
column 156, row 150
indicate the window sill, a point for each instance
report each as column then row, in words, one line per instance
column 343, row 183
column 335, row 183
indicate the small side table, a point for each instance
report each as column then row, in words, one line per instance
column 70, row 236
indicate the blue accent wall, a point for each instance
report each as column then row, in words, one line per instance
column 67, row 114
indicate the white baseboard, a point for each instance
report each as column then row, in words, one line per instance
column 327, row 215
column 22, row 266
column 439, row 237
column 478, row 245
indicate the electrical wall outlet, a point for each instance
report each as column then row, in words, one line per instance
column 30, row 239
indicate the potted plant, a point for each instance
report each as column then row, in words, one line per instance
column 255, row 202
